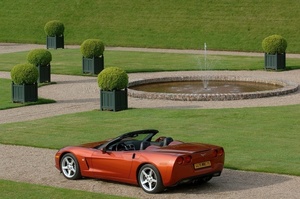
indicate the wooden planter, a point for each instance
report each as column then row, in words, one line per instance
column 275, row 61
column 44, row 73
column 24, row 92
column 115, row 100
column 93, row 65
column 55, row 42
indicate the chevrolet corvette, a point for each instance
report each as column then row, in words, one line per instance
column 144, row 159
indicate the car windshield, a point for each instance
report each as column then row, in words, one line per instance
column 135, row 138
column 138, row 137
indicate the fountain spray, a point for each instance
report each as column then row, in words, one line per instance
column 205, row 80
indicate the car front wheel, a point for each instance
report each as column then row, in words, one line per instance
column 70, row 167
column 149, row 179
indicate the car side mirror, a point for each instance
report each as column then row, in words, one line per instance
column 104, row 150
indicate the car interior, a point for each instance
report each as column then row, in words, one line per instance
column 132, row 144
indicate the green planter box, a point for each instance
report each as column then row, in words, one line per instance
column 55, row 42
column 276, row 61
column 24, row 92
column 93, row 65
column 114, row 100
column 44, row 73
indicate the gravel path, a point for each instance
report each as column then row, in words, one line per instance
column 75, row 94
column 36, row 166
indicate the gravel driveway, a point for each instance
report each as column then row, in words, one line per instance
column 34, row 165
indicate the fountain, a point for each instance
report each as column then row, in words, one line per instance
column 205, row 80
column 215, row 87
column 270, row 88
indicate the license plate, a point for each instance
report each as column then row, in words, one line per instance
column 202, row 165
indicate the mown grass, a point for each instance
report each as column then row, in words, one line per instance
column 10, row 189
column 6, row 97
column 69, row 61
column 257, row 139
column 243, row 132
column 251, row 141
column 227, row 25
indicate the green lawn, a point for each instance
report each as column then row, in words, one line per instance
column 6, row 97
column 257, row 139
column 69, row 61
column 243, row 132
column 226, row 25
column 10, row 189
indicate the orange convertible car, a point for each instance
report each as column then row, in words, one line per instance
column 137, row 158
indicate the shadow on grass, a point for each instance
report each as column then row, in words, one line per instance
column 17, row 105
column 292, row 68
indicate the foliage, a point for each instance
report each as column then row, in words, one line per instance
column 24, row 74
column 92, row 48
column 54, row 28
column 112, row 78
column 274, row 44
column 39, row 57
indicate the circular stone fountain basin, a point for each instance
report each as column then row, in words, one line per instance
column 191, row 88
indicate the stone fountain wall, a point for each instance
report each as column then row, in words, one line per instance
column 287, row 88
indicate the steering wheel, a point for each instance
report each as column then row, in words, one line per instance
column 121, row 147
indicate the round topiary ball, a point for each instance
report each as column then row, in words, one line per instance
column 24, row 74
column 54, row 28
column 274, row 44
column 39, row 57
column 92, row 48
column 112, row 78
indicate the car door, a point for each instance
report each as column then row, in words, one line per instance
column 112, row 164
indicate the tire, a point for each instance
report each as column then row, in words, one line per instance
column 69, row 167
column 149, row 179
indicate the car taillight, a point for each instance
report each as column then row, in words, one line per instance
column 215, row 153
column 184, row 159
column 188, row 159
column 180, row 160
column 220, row 152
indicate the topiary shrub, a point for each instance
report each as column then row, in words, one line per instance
column 274, row 44
column 39, row 57
column 92, row 48
column 54, row 28
column 24, row 74
column 112, row 78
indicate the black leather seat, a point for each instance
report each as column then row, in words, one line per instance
column 167, row 141
column 144, row 145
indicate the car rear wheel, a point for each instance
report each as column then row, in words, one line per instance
column 150, row 180
column 70, row 167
